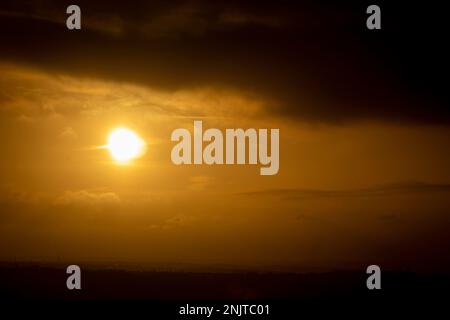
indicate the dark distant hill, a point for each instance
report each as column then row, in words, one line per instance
column 30, row 281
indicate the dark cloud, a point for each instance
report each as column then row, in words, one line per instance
column 313, row 62
column 384, row 190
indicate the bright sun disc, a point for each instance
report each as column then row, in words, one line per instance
column 125, row 145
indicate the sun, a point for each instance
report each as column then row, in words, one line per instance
column 125, row 145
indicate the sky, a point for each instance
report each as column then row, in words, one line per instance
column 363, row 118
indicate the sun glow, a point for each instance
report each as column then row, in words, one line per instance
column 125, row 145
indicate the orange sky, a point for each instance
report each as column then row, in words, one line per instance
column 345, row 194
column 363, row 118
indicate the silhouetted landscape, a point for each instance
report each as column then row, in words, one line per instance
column 31, row 281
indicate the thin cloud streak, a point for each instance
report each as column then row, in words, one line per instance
column 385, row 190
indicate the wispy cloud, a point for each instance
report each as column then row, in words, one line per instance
column 87, row 198
column 383, row 190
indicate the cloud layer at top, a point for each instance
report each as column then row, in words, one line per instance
column 312, row 63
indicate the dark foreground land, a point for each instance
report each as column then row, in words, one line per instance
column 286, row 291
